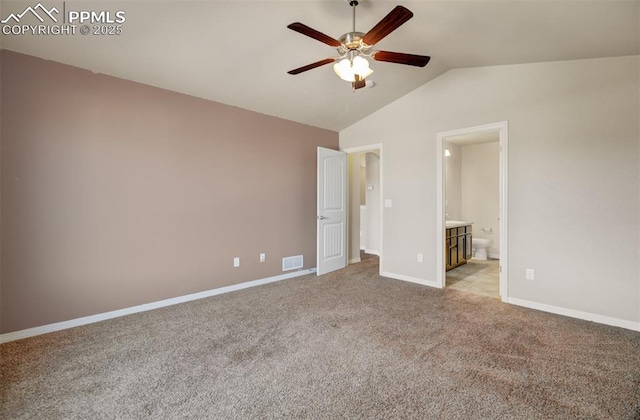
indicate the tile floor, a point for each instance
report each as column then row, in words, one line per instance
column 479, row 277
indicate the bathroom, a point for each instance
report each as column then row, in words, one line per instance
column 472, row 200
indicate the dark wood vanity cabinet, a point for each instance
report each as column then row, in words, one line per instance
column 457, row 246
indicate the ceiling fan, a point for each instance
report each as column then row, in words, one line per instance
column 355, row 47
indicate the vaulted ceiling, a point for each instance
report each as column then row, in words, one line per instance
column 238, row 52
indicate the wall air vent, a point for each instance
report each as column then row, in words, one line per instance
column 292, row 263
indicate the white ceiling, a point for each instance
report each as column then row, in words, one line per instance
column 238, row 52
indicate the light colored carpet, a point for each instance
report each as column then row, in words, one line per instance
column 347, row 345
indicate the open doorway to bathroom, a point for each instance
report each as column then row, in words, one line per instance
column 472, row 212
column 472, row 209
column 365, row 204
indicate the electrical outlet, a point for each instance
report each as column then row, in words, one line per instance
column 263, row 257
column 529, row 274
column 419, row 257
column 236, row 261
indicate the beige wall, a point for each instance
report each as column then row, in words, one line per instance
column 116, row 194
column 573, row 176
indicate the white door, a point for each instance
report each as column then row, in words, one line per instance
column 332, row 210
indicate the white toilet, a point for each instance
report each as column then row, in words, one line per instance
column 479, row 247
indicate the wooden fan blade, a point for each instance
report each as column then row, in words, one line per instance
column 312, row 66
column 401, row 58
column 312, row 33
column 388, row 24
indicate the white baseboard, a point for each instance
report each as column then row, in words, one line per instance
column 601, row 319
column 410, row 279
column 494, row 256
column 31, row 332
column 372, row 252
column 354, row 260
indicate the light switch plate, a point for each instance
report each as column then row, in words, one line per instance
column 388, row 203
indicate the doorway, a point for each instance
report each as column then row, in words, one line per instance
column 469, row 142
column 365, row 220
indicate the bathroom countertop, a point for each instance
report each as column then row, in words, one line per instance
column 456, row 223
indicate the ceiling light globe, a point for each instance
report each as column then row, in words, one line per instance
column 361, row 67
column 344, row 71
column 347, row 69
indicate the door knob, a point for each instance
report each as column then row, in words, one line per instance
column 322, row 218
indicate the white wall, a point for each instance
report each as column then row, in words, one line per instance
column 453, row 182
column 363, row 182
column 373, row 204
column 480, row 191
column 353, row 160
column 363, row 228
column 573, row 176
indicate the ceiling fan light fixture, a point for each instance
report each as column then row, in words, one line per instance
column 354, row 48
column 348, row 69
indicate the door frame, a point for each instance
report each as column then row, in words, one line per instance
column 363, row 149
column 503, row 129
